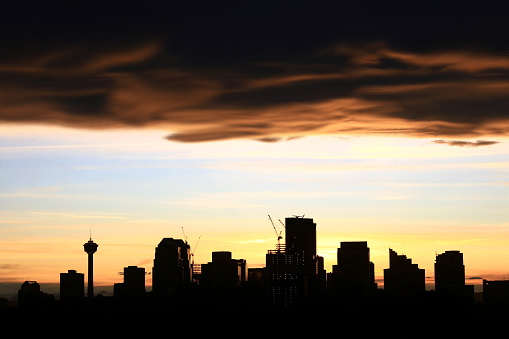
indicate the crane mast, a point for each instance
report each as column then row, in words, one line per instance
column 278, row 235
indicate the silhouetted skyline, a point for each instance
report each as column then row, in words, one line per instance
column 174, row 270
column 385, row 122
column 292, row 284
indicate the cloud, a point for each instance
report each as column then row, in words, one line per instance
column 222, row 76
column 466, row 143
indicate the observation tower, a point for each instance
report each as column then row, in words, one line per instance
column 90, row 248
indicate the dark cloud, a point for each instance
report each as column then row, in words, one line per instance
column 258, row 70
column 466, row 143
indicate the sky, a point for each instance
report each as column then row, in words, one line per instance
column 384, row 123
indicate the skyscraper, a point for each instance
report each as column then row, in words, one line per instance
column 90, row 248
column 294, row 271
column 172, row 269
column 134, row 283
column 403, row 279
column 450, row 273
column 72, row 286
column 224, row 273
column 353, row 277
column 300, row 235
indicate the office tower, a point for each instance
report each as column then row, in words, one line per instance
column 496, row 292
column 72, row 286
column 450, row 273
column 403, row 279
column 134, row 283
column 223, row 273
column 300, row 235
column 172, row 271
column 30, row 295
column 256, row 277
column 295, row 274
column 90, row 247
column 353, row 277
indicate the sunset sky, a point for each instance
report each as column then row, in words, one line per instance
column 385, row 124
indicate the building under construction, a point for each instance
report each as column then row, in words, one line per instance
column 295, row 273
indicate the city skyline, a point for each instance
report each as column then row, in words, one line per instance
column 384, row 123
column 428, row 278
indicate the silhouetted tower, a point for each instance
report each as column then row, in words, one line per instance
column 224, row 273
column 496, row 292
column 294, row 271
column 450, row 273
column 72, row 286
column 353, row 277
column 134, row 283
column 90, row 248
column 300, row 236
column 172, row 270
column 403, row 279
column 30, row 294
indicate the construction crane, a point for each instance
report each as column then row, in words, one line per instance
column 192, row 252
column 278, row 235
column 184, row 234
column 185, row 239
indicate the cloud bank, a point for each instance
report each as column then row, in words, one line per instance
column 228, row 74
column 465, row 143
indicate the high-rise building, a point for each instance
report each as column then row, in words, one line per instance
column 172, row 271
column 72, row 286
column 403, row 279
column 90, row 247
column 223, row 273
column 450, row 273
column 30, row 294
column 353, row 277
column 295, row 274
column 300, row 236
column 134, row 283
column 496, row 292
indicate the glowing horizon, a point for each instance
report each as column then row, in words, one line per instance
column 412, row 195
